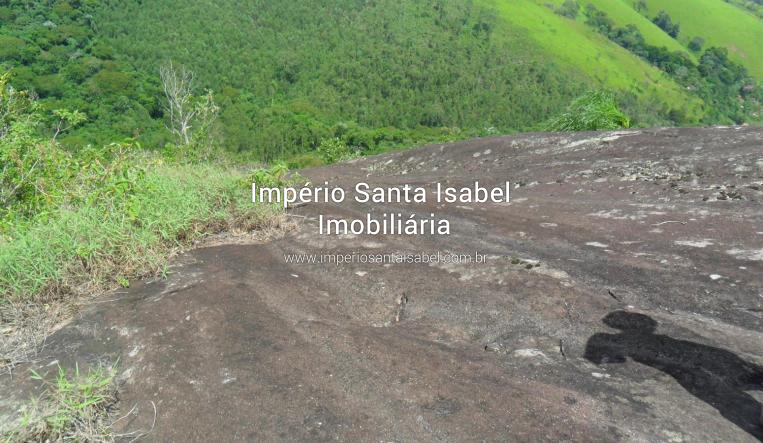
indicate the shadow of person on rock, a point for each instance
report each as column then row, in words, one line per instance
column 716, row 376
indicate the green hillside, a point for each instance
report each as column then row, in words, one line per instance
column 577, row 46
column 753, row 6
column 287, row 76
column 622, row 13
column 720, row 24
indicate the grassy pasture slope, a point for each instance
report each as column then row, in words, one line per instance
column 720, row 24
column 576, row 45
column 621, row 12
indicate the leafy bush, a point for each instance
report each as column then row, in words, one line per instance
column 275, row 176
column 595, row 110
column 31, row 169
column 598, row 19
column 333, row 150
column 696, row 44
column 569, row 9
column 665, row 23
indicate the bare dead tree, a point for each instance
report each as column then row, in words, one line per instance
column 178, row 88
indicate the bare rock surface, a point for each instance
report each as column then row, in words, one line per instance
column 621, row 300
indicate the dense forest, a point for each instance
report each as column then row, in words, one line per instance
column 286, row 76
column 348, row 66
column 357, row 72
column 52, row 49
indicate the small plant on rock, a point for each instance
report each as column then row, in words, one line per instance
column 593, row 111
column 72, row 407
column 334, row 150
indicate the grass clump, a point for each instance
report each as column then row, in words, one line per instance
column 72, row 407
column 106, row 239
column 593, row 111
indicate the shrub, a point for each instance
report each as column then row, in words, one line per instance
column 665, row 23
column 272, row 177
column 595, row 110
column 332, row 150
column 353, row 135
column 598, row 19
column 388, row 136
column 696, row 44
column 306, row 160
column 569, row 9
column 31, row 169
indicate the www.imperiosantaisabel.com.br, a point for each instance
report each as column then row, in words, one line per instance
column 386, row 258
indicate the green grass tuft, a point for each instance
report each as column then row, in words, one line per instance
column 72, row 407
column 594, row 111
column 87, row 247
